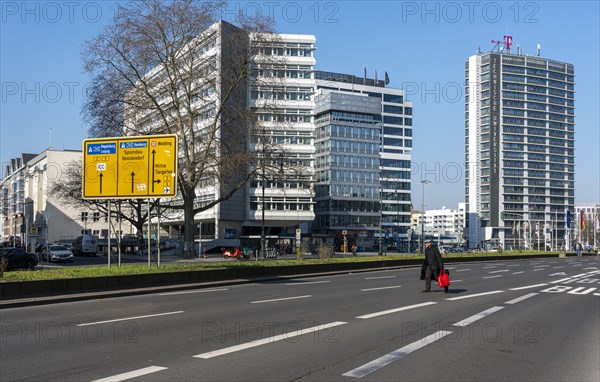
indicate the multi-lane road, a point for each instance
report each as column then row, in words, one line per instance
column 534, row 320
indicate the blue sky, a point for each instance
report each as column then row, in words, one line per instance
column 422, row 46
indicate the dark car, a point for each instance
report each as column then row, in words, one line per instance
column 18, row 258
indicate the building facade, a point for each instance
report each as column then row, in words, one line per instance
column 363, row 178
column 520, row 148
column 269, row 112
column 588, row 232
column 32, row 213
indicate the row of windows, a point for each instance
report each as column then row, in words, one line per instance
column 287, row 94
column 340, row 146
column 281, row 51
column 344, row 131
column 348, row 206
column 348, row 161
column 346, row 221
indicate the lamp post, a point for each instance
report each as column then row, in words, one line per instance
column 423, row 182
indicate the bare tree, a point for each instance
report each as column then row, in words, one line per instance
column 172, row 67
column 68, row 190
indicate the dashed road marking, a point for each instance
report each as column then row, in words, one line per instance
column 498, row 271
column 379, row 277
column 132, row 374
column 478, row 316
column 130, row 318
column 491, row 277
column 516, row 273
column 387, row 287
column 519, row 299
column 474, row 295
column 380, row 362
column 395, row 310
column 528, row 286
column 251, row 344
column 462, row 270
column 280, row 299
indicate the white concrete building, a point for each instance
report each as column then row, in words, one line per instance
column 32, row 213
column 280, row 96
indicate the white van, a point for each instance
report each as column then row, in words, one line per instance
column 85, row 245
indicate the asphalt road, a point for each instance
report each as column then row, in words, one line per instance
column 532, row 320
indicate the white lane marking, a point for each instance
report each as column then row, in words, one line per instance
column 539, row 269
column 478, row 316
column 192, row 291
column 380, row 362
column 540, row 266
column 560, row 266
column 376, row 314
column 388, row 287
column 516, row 273
column 131, row 374
column 492, row 277
column 456, row 281
column 462, row 270
column 558, row 274
column 267, row 340
column 130, row 318
column 280, row 299
column 528, row 286
column 590, row 268
column 474, row 295
column 300, row 282
column 501, row 270
column 519, row 299
column 379, row 277
column 493, row 266
column 513, row 265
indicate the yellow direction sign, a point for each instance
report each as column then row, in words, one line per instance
column 130, row 167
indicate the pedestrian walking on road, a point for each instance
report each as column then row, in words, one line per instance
column 432, row 265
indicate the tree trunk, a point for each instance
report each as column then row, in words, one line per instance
column 189, row 195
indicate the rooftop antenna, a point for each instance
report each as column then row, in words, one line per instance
column 539, row 49
column 507, row 42
column 50, row 139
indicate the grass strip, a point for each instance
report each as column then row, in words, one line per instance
column 42, row 273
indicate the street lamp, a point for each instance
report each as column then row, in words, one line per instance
column 423, row 182
column 264, row 178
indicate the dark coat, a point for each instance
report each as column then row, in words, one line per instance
column 433, row 259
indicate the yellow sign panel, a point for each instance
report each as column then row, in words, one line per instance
column 130, row 167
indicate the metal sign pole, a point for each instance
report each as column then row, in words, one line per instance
column 120, row 233
column 148, row 233
column 158, row 229
column 108, row 252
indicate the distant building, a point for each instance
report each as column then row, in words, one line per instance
column 442, row 222
column 30, row 212
column 520, row 148
column 590, row 234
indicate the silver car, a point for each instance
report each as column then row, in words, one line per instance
column 57, row 253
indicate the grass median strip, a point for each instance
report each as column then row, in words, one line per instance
column 70, row 272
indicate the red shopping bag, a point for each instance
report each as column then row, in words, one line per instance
column 443, row 278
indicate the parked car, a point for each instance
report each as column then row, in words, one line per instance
column 18, row 258
column 56, row 252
